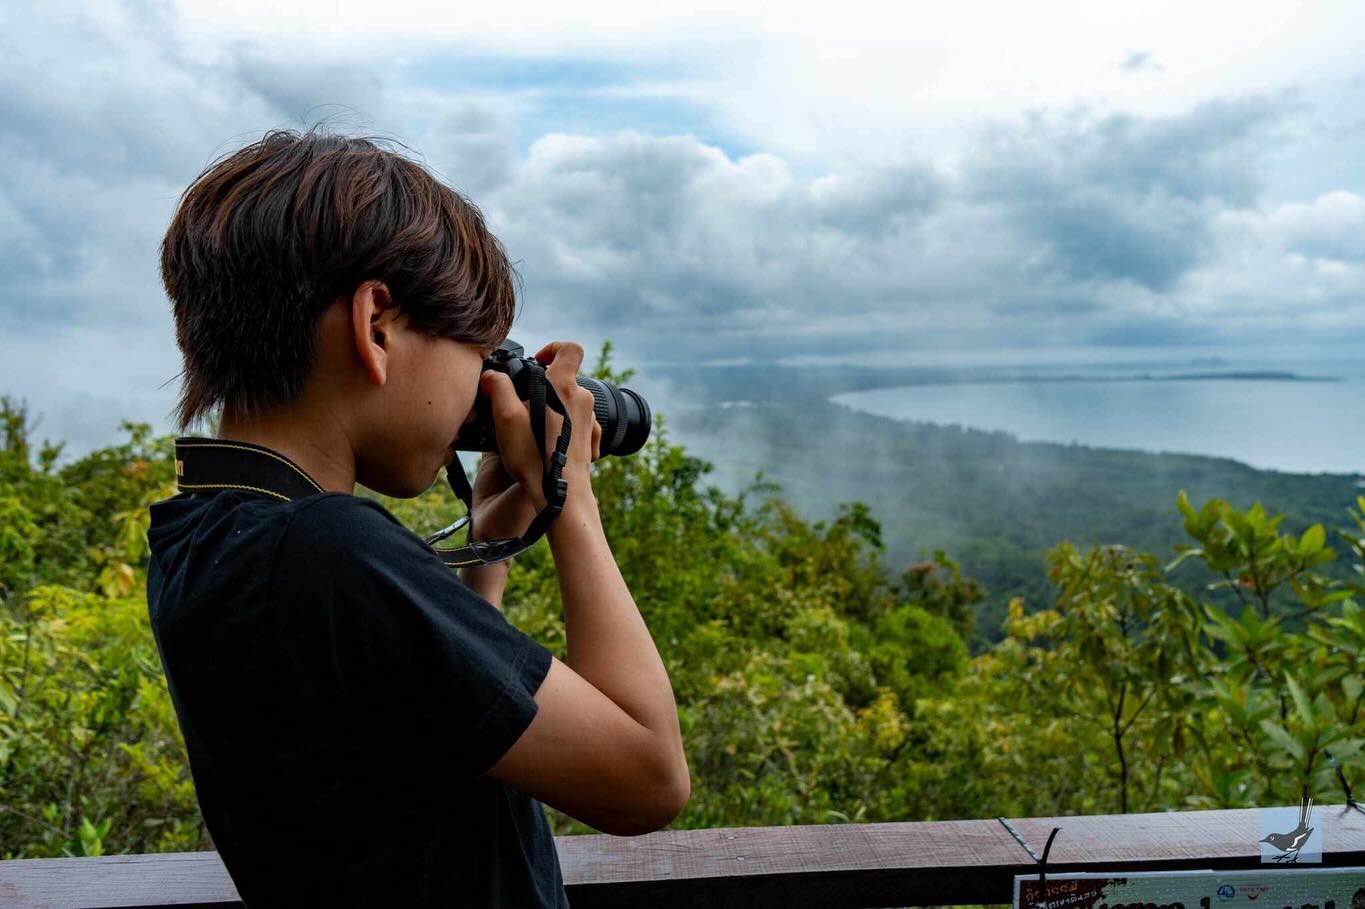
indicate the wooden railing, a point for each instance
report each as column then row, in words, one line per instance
column 900, row 864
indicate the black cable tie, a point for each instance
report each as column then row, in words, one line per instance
column 1042, row 862
column 1346, row 787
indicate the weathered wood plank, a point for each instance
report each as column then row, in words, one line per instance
column 826, row 865
column 156, row 879
column 844, row 865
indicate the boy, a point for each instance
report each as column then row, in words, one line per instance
column 364, row 727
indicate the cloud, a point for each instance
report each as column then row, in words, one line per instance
column 1119, row 197
column 1136, row 61
column 105, row 117
column 294, row 87
column 1288, row 269
column 666, row 236
column 1060, row 227
column 1331, row 227
column 1058, row 224
column 473, row 150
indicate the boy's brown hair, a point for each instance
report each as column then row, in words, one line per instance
column 266, row 238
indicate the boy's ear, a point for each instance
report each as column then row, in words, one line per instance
column 372, row 316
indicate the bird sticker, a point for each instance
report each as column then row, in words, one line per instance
column 1289, row 844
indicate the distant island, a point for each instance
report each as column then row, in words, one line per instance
column 1245, row 375
column 768, row 382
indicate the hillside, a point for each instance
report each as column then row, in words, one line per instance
column 993, row 503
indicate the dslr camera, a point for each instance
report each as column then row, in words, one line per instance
column 622, row 413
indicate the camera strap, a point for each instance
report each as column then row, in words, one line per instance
column 540, row 393
column 204, row 466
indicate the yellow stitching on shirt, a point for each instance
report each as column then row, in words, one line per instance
column 288, row 464
column 232, row 486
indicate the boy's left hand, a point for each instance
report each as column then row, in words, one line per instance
column 501, row 506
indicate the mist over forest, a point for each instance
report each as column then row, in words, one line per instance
column 991, row 502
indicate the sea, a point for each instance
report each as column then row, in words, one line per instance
column 1296, row 417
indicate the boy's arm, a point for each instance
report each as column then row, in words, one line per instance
column 488, row 581
column 604, row 746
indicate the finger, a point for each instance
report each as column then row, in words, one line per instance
column 561, row 360
column 558, row 352
column 492, row 463
column 564, row 375
column 546, row 355
column 511, row 423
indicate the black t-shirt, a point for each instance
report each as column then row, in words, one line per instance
column 342, row 694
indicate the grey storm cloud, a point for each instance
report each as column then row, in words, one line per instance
column 482, row 146
column 668, row 236
column 297, row 89
column 104, row 120
column 1121, row 197
column 1043, row 236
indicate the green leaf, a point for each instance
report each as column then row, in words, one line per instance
column 1182, row 502
column 1300, row 700
column 1283, row 739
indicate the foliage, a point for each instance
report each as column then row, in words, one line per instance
column 996, row 503
column 814, row 686
column 91, row 756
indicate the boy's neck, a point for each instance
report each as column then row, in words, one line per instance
column 321, row 447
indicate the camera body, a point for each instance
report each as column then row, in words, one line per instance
column 622, row 413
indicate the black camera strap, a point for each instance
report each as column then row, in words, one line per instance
column 204, row 466
column 540, row 393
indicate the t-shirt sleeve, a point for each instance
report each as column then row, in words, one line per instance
column 437, row 667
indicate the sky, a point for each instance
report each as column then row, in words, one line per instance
column 800, row 183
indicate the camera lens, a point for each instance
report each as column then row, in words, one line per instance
column 623, row 414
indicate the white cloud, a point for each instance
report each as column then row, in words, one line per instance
column 860, row 80
column 1288, row 268
column 932, row 179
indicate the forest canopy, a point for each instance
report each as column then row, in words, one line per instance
column 814, row 685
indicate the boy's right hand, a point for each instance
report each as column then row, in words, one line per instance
column 512, row 422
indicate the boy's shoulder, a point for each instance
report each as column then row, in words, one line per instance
column 339, row 519
column 237, row 530
column 339, row 504
column 341, row 539
column 342, row 512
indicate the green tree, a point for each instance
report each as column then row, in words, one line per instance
column 813, row 686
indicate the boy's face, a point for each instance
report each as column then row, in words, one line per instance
column 427, row 398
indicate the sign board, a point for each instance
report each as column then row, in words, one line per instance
column 1279, row 888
